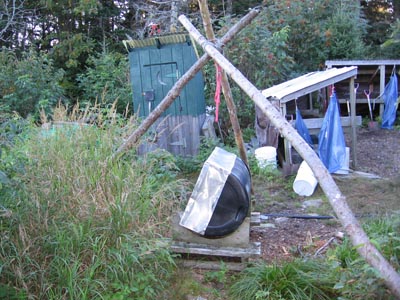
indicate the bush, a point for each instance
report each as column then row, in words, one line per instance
column 106, row 80
column 29, row 84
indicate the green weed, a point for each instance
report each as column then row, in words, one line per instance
column 82, row 226
column 298, row 279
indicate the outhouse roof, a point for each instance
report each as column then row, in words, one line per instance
column 157, row 40
column 308, row 83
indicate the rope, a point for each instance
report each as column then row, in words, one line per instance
column 217, row 96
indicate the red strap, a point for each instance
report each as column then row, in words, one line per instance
column 217, row 96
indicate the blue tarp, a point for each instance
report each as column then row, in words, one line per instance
column 302, row 128
column 331, row 144
column 390, row 95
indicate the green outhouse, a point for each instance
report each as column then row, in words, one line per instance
column 156, row 63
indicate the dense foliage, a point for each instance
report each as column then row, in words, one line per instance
column 72, row 50
column 76, row 225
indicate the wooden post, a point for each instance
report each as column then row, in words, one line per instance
column 353, row 123
column 382, row 71
column 337, row 200
column 178, row 86
column 226, row 89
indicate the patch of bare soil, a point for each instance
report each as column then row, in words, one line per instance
column 286, row 234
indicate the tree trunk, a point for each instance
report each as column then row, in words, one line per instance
column 338, row 201
column 226, row 89
column 178, row 86
column 175, row 6
column 229, row 11
column 396, row 9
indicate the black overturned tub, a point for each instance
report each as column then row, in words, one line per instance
column 220, row 201
column 233, row 204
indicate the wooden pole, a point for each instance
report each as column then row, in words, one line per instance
column 179, row 85
column 337, row 200
column 353, row 123
column 226, row 89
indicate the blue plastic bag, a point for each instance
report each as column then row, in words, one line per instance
column 331, row 144
column 302, row 128
column 390, row 95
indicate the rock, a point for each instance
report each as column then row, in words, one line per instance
column 281, row 220
column 268, row 225
column 195, row 298
column 312, row 203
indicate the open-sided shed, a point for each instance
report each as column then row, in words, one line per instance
column 372, row 77
column 316, row 83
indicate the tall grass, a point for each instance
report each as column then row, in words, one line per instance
column 83, row 226
column 298, row 279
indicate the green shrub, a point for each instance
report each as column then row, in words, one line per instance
column 106, row 80
column 29, row 84
column 357, row 279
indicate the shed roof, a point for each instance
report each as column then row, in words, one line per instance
column 308, row 83
column 367, row 62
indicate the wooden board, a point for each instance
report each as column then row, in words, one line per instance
column 210, row 252
column 239, row 238
column 253, row 250
column 315, row 124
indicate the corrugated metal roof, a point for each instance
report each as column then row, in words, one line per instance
column 308, row 83
column 156, row 40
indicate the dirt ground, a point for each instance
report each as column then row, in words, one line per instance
column 370, row 191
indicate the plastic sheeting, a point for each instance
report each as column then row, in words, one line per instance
column 390, row 95
column 332, row 145
column 207, row 190
column 302, row 128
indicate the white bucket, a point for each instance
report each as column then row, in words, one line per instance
column 345, row 167
column 305, row 181
column 266, row 157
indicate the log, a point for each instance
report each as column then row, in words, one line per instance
column 337, row 200
column 178, row 86
column 226, row 89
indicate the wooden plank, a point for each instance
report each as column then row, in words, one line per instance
column 316, row 123
column 239, row 238
column 212, row 265
column 255, row 219
column 252, row 251
column 363, row 101
column 372, row 62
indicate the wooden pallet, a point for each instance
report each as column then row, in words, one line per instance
column 234, row 250
column 204, row 256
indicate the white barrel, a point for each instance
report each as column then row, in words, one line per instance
column 305, row 181
column 345, row 167
column 266, row 157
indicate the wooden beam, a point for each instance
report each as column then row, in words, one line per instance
column 316, row 123
column 178, row 86
column 226, row 89
column 382, row 87
column 353, row 121
column 337, row 200
column 371, row 62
